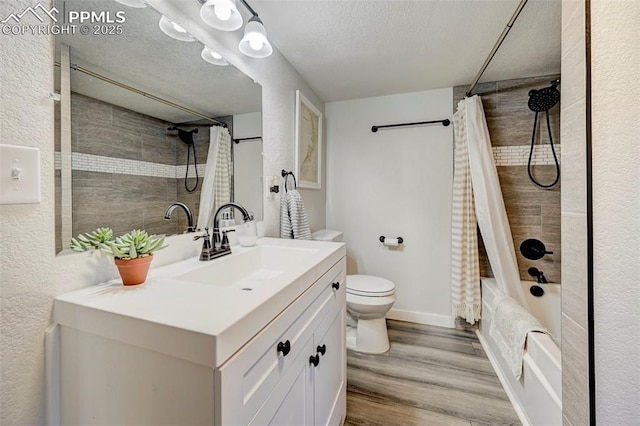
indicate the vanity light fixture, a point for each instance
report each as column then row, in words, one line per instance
column 213, row 57
column 224, row 15
column 221, row 14
column 255, row 43
column 133, row 3
column 174, row 30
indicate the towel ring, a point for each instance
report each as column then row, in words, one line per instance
column 285, row 175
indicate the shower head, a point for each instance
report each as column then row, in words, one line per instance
column 544, row 99
column 185, row 136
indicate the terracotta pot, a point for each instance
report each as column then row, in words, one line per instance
column 134, row 271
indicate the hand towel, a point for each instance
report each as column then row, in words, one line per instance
column 293, row 217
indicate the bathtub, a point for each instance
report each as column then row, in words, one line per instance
column 537, row 396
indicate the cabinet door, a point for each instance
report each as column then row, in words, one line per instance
column 329, row 376
column 291, row 402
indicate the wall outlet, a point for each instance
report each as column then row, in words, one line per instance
column 19, row 175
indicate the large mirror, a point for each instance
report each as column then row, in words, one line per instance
column 123, row 87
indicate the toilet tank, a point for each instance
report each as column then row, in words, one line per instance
column 327, row 235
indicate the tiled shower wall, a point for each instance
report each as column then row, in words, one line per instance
column 127, row 169
column 532, row 212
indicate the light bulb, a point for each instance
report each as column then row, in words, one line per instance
column 223, row 11
column 178, row 28
column 174, row 30
column 256, row 43
column 213, row 57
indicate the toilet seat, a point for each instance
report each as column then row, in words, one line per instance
column 369, row 286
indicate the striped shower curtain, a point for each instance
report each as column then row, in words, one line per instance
column 223, row 169
column 477, row 197
column 465, row 271
column 216, row 185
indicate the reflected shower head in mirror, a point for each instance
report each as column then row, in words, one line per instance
column 184, row 135
column 187, row 137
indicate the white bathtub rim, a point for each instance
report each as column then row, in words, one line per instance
column 542, row 359
column 548, row 347
column 522, row 415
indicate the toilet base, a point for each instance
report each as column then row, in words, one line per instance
column 370, row 336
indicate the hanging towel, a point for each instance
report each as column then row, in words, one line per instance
column 293, row 217
column 510, row 326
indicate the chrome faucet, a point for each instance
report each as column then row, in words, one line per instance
column 223, row 248
column 172, row 207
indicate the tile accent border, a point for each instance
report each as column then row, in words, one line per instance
column 518, row 155
column 102, row 164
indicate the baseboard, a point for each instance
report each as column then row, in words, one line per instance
column 503, row 380
column 421, row 318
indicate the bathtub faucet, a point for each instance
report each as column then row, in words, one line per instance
column 538, row 275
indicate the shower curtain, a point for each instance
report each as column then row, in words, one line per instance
column 483, row 192
column 465, row 272
column 217, row 181
column 224, row 170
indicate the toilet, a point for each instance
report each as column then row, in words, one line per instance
column 369, row 298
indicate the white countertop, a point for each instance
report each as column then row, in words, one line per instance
column 200, row 322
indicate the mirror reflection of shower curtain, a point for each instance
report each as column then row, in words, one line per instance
column 224, row 169
column 208, row 191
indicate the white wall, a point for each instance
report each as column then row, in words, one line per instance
column 31, row 274
column 248, row 188
column 396, row 182
column 616, row 208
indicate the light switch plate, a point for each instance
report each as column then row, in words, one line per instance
column 270, row 181
column 19, row 175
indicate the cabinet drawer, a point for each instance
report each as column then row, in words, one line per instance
column 253, row 372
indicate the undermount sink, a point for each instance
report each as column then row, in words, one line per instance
column 248, row 269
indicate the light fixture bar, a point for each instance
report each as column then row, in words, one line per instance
column 253, row 12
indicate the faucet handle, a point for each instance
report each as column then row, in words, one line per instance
column 205, row 253
column 225, row 239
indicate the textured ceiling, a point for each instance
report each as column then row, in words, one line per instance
column 344, row 49
column 145, row 58
column 350, row 49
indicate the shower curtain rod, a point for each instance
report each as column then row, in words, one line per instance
column 444, row 122
column 496, row 46
column 76, row 67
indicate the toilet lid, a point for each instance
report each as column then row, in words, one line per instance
column 367, row 285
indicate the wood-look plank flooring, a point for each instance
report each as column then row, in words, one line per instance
column 431, row 376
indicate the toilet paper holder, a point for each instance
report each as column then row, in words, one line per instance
column 382, row 238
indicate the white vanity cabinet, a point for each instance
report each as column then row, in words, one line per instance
column 179, row 352
column 293, row 372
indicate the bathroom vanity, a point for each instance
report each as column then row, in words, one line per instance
column 256, row 337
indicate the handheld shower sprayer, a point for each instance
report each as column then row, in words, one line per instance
column 187, row 137
column 539, row 101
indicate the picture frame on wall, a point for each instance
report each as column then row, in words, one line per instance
column 308, row 143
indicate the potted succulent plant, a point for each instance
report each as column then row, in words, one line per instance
column 133, row 251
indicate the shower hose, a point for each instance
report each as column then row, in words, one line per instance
column 195, row 166
column 553, row 150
